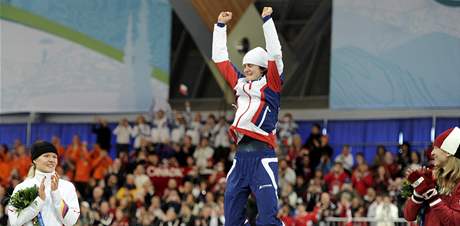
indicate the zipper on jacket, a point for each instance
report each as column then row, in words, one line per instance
column 237, row 122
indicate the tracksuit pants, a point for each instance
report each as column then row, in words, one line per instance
column 254, row 169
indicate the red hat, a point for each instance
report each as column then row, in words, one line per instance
column 449, row 141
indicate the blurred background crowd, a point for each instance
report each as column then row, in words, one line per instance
column 171, row 170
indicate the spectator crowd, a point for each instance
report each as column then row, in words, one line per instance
column 171, row 170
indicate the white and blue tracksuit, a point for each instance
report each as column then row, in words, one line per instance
column 255, row 167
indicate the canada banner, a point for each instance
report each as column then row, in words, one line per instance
column 161, row 175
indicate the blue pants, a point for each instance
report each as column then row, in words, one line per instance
column 252, row 171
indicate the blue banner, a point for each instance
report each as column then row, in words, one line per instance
column 395, row 54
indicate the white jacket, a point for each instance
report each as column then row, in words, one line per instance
column 140, row 131
column 59, row 208
column 386, row 214
column 258, row 101
column 123, row 134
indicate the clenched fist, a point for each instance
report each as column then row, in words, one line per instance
column 224, row 17
column 267, row 11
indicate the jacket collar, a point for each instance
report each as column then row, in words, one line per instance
column 39, row 175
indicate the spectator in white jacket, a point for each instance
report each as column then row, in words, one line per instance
column 386, row 212
column 346, row 158
column 203, row 153
column 160, row 128
column 286, row 174
column 123, row 133
column 194, row 129
column 140, row 132
column 178, row 128
column 221, row 134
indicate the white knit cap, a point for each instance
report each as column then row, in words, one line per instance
column 449, row 141
column 256, row 56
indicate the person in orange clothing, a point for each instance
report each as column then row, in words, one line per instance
column 96, row 152
column 100, row 164
column 82, row 170
column 4, row 152
column 60, row 149
column 5, row 172
column 74, row 148
column 71, row 156
column 5, row 165
column 21, row 161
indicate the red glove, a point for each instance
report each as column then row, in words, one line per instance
column 430, row 195
column 424, row 185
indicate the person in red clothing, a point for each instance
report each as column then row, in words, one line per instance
column 361, row 179
column 436, row 195
column 336, row 178
column 305, row 218
column 391, row 166
column 283, row 214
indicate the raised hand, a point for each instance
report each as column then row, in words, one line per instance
column 267, row 11
column 423, row 182
column 413, row 175
column 54, row 182
column 41, row 190
column 224, row 17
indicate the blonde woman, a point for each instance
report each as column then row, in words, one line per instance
column 436, row 196
column 57, row 202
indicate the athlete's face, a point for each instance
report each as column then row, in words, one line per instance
column 46, row 162
column 252, row 71
column 439, row 156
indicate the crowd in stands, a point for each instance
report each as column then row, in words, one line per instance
column 171, row 171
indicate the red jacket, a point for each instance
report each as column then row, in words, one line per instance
column 361, row 184
column 443, row 213
column 334, row 180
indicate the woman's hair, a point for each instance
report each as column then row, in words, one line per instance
column 31, row 172
column 448, row 176
column 264, row 70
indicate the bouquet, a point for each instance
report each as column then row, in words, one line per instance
column 407, row 189
column 23, row 198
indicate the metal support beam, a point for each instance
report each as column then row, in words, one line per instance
column 202, row 38
column 199, row 80
column 306, row 46
column 179, row 49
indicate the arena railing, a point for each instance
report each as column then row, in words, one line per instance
column 371, row 221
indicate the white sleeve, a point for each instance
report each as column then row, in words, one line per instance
column 219, row 44
column 135, row 131
column 68, row 209
column 273, row 44
column 130, row 130
column 27, row 214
